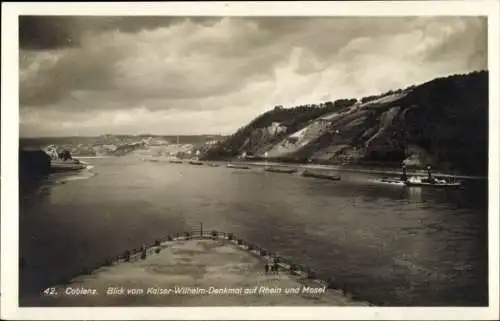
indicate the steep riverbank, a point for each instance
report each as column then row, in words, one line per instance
column 443, row 122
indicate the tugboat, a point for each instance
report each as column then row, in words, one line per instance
column 431, row 181
column 196, row 160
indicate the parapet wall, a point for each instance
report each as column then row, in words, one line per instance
column 281, row 264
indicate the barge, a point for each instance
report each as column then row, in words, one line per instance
column 330, row 177
column 212, row 165
column 237, row 166
column 280, row 170
column 195, row 162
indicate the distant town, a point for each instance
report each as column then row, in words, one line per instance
column 121, row 145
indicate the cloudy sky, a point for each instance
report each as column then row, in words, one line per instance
column 178, row 75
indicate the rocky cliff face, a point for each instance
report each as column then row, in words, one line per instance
column 443, row 122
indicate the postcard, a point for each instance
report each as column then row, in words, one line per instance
column 250, row 160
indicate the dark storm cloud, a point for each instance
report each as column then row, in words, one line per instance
column 52, row 32
column 122, row 66
column 41, row 33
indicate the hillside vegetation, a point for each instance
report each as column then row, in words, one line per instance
column 443, row 122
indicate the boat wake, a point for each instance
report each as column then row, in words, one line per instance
column 85, row 173
column 75, row 178
column 387, row 182
column 61, row 179
column 56, row 179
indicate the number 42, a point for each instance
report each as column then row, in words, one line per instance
column 50, row 291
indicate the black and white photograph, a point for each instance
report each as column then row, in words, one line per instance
column 249, row 159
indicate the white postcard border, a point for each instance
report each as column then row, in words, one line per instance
column 10, row 133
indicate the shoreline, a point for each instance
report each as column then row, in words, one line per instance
column 35, row 157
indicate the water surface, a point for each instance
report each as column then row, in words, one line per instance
column 391, row 245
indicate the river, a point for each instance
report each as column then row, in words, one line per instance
column 391, row 245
